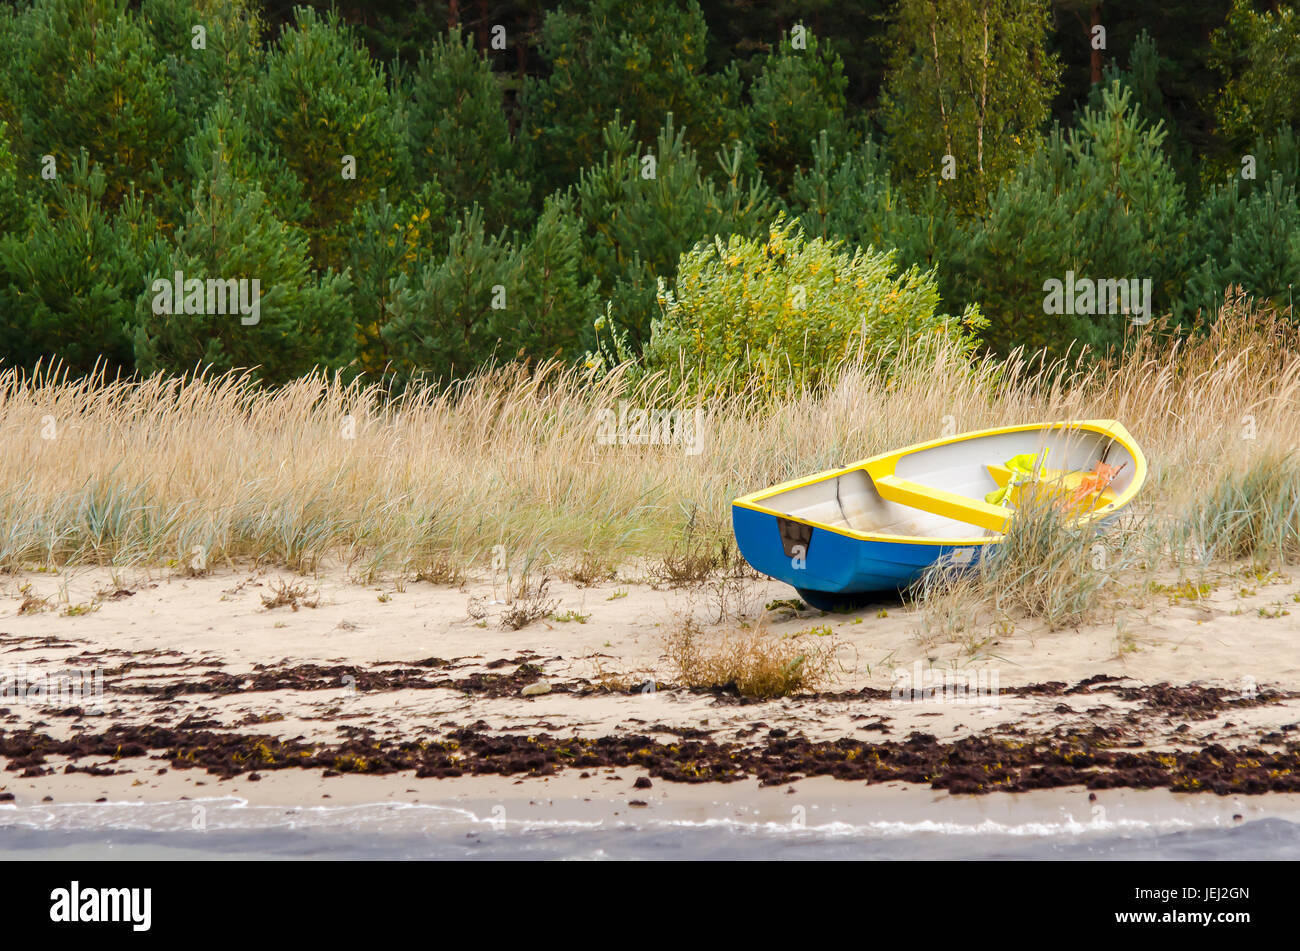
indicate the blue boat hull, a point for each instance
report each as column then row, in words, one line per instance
column 878, row 524
column 835, row 563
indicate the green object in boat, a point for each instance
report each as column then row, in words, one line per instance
column 1023, row 467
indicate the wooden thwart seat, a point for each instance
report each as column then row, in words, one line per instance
column 960, row 508
column 963, row 508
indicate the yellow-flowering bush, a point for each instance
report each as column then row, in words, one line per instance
column 784, row 311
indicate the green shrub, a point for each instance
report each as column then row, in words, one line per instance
column 1257, row 54
column 785, row 311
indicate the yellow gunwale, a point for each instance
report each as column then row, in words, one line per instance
column 1105, row 427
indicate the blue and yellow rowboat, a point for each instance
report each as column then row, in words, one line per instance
column 878, row 524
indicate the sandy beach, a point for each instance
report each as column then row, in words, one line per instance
column 415, row 694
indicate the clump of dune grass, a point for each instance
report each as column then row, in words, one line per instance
column 689, row 562
column 442, row 569
column 694, row 557
column 216, row 471
column 1046, row 567
column 529, row 601
column 752, row 662
column 589, row 569
column 1250, row 513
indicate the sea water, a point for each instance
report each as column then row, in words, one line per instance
column 235, row 829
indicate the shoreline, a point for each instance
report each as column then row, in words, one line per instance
column 398, row 803
column 563, row 818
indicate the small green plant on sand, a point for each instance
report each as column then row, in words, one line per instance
column 1125, row 641
column 571, row 616
column 31, row 603
column 1182, row 591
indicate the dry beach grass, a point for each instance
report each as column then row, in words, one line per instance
column 212, row 470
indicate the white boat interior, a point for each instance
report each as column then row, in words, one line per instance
column 850, row 499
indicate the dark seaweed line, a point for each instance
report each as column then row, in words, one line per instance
column 970, row 765
column 1195, row 700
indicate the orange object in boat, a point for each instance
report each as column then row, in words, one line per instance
column 1094, row 482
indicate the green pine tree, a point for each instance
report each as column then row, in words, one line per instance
column 1251, row 241
column 211, row 48
column 642, row 208
column 797, row 95
column 459, row 133
column 556, row 304
column 13, row 200
column 1101, row 201
column 443, row 318
column 231, row 234
column 854, row 198
column 320, row 100
column 1276, row 153
column 639, row 61
column 86, row 74
column 69, row 279
column 224, row 132
column 389, row 241
column 1146, row 76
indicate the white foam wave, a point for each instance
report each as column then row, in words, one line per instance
column 403, row 819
